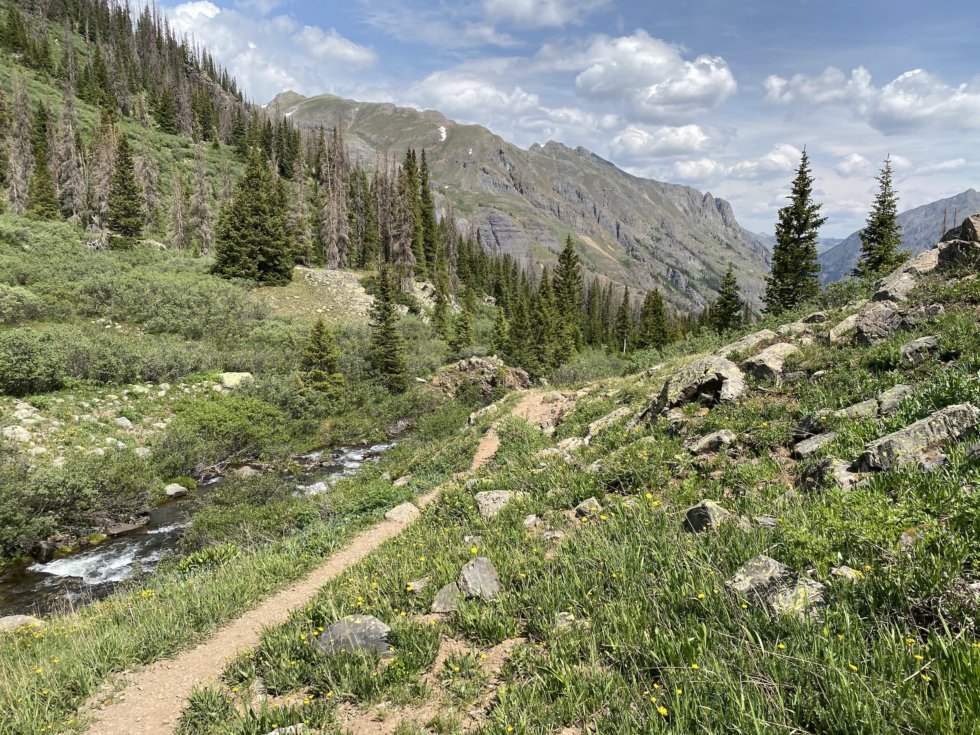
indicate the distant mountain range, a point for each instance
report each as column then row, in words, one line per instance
column 635, row 231
column 921, row 229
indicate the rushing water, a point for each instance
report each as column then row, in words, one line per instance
column 91, row 574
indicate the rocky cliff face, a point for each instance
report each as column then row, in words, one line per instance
column 921, row 227
column 525, row 202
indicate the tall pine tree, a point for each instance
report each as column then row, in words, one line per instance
column 654, row 328
column 726, row 312
column 125, row 214
column 320, row 371
column 793, row 280
column 387, row 355
column 623, row 326
column 568, row 298
column 881, row 239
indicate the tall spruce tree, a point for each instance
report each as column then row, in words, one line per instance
column 623, row 326
column 793, row 280
column 201, row 219
column 387, row 355
column 501, row 333
column 726, row 312
column 568, row 298
column 67, row 162
column 654, row 329
column 430, row 230
column 463, row 328
column 320, row 372
column 250, row 240
column 125, row 216
column 881, row 239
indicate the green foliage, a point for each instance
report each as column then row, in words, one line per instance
column 793, row 280
column 726, row 313
column 623, row 327
column 654, row 330
column 881, row 239
column 320, row 372
column 30, row 362
column 387, row 356
column 208, row 558
column 125, row 217
column 18, row 304
column 463, row 331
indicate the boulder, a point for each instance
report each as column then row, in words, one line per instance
column 120, row 529
column 11, row 623
column 478, row 578
column 489, row 374
column 404, row 513
column 573, row 444
column 175, row 490
column 402, row 481
column 356, row 633
column 447, row 599
column 608, row 420
column 801, row 598
column 246, row 471
column 896, row 286
column 16, row 434
column 705, row 515
column 843, row 329
column 123, row 423
column 891, row 399
column 587, row 508
column 233, row 380
column 862, row 410
column 759, row 577
column 912, row 443
column 711, row 442
column 918, row 350
column 970, row 229
column 746, row 345
column 491, row 502
column 708, row 381
column 768, row 364
column 878, row 321
column 958, row 253
column 817, row 317
column 531, row 522
column 809, row 447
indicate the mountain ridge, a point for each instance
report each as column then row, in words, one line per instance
column 639, row 232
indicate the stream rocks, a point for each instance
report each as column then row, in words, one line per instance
column 356, row 633
column 175, row 490
column 912, row 443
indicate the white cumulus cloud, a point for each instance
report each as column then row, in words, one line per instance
column 852, row 165
column 640, row 141
column 541, row 13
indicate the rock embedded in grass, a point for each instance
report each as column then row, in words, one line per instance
column 862, row 410
column 233, row 380
column 891, row 399
column 918, row 350
column 175, row 490
column 12, row 623
column 601, row 424
column 705, row 515
column 491, row 502
column 404, row 513
column 708, row 381
column 447, row 599
column 710, row 442
column 588, row 508
column 801, row 598
column 417, row 585
column 356, row 633
column 846, row 574
column 759, row 576
column 746, row 344
column 878, row 321
column 768, row 364
column 478, row 578
column 911, row 444
column 808, row 447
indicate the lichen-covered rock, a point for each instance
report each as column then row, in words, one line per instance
column 768, row 364
column 864, row 409
column 846, row 574
column 491, row 502
column 707, row 381
column 918, row 350
column 573, row 444
column 843, row 329
column 809, row 447
column 447, row 599
column 759, row 577
column 878, row 321
column 891, row 399
column 478, row 578
column 356, row 633
column 588, row 508
column 608, row 420
column 488, row 373
column 801, row 598
column 404, row 513
column 746, row 345
column 910, row 445
column 705, row 515
column 175, row 490
column 896, row 286
column 711, row 442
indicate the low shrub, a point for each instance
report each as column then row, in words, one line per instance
column 18, row 304
column 30, row 362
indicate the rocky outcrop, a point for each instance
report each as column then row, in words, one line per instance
column 961, row 245
column 746, row 345
column 710, row 442
column 918, row 350
column 878, row 321
column 891, row 399
column 707, row 381
column 488, row 373
column 768, row 364
column 808, row 447
column 772, row 583
column 608, row 420
column 914, row 442
column 478, row 578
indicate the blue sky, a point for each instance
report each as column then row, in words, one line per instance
column 717, row 94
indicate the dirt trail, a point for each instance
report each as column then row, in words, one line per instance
column 153, row 697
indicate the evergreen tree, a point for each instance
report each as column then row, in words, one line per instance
column 413, row 194
column 69, row 174
column 654, row 328
column 125, row 215
column 547, row 325
column 41, row 194
column 201, row 219
column 568, row 297
column 726, row 312
column 180, row 236
column 387, row 355
column 5, row 122
column 522, row 348
column 320, row 372
column 623, row 326
column 430, row 234
column 882, row 236
column 463, row 328
column 501, row 333
column 793, row 280
column 250, row 240
column 148, row 174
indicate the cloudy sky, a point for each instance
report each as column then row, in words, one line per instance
column 718, row 94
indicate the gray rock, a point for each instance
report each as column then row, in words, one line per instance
column 123, row 423
column 356, row 633
column 299, row 729
column 531, row 522
column 817, row 317
column 809, row 447
column 573, row 444
column 246, row 471
column 11, row 623
column 846, row 574
column 120, row 529
column 923, row 313
column 143, row 452
column 175, row 490
column 891, row 399
column 746, row 345
column 491, row 502
column 793, row 329
column 768, row 364
column 478, row 578
column 918, row 350
column 402, row 481
column 766, row 521
column 608, row 420
column 553, row 535
column 896, row 287
column 878, row 321
column 862, row 410
column 705, row 515
column 970, row 229
column 711, row 442
column 800, row 598
column 910, row 444
column 759, row 577
column 709, row 380
column 830, row 472
column 843, row 329
column 447, row 599
column 404, row 513
column 958, row 253
column 925, row 262
column 417, row 585
column 16, row 434
column 587, row 508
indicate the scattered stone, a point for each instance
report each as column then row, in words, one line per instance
column 910, row 444
column 878, row 321
column 246, row 471
column 478, row 578
column 843, row 328
column 846, row 573
column 587, row 508
column 553, row 535
column 175, row 490
column 759, row 576
column 123, row 423
column 766, row 521
column 354, row 634
column 768, row 364
column 608, row 420
column 797, row 376
column 896, row 287
column 491, row 502
column 817, row 317
column 404, row 513
column 16, row 434
column 862, row 410
column 924, row 313
column 233, row 380
column 11, row 623
column 402, row 481
column 711, row 442
column 473, row 539
column 918, row 350
column 891, row 399
column 831, row 472
column 705, row 515
column 746, row 345
column 447, row 599
column 708, row 381
column 809, row 447
column 573, row 444
column 566, row 621
column 800, row 598
column 299, row 729
column 531, row 522
column 546, row 455
column 417, row 585
column 143, row 452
